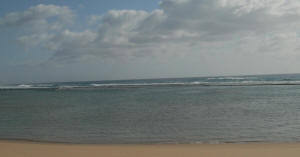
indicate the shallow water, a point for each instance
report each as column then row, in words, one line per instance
column 189, row 113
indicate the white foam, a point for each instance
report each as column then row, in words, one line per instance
column 24, row 86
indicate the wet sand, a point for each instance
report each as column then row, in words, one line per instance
column 31, row 149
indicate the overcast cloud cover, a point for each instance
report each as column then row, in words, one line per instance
column 179, row 38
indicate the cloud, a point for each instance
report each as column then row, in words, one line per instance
column 34, row 39
column 38, row 17
column 176, row 27
column 94, row 19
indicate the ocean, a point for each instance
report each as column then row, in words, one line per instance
column 235, row 109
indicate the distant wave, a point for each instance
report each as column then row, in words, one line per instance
column 231, row 78
column 158, row 84
column 23, row 86
column 72, row 87
column 242, row 83
column 139, row 84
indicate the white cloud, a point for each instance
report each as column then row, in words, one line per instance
column 38, row 18
column 178, row 26
column 274, row 7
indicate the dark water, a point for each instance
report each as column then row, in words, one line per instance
column 187, row 110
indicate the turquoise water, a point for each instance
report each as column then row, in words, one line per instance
column 186, row 110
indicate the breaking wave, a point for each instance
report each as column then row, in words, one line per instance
column 158, row 84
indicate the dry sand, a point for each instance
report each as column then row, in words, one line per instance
column 27, row 149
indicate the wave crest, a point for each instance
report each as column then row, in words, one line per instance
column 75, row 85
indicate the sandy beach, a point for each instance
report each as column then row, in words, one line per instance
column 28, row 149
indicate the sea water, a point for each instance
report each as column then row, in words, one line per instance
column 262, row 108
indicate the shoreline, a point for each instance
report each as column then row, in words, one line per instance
column 40, row 149
column 147, row 143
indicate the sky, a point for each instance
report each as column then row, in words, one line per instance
column 81, row 40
